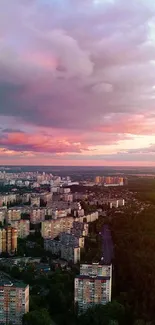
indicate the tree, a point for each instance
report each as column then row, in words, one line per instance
column 112, row 313
column 39, row 317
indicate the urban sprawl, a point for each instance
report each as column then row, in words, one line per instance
column 32, row 203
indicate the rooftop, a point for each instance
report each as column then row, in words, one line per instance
column 7, row 281
column 92, row 277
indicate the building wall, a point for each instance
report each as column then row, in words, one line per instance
column 52, row 228
column 14, row 303
column 8, row 240
column 93, row 285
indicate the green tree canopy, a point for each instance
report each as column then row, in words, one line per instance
column 39, row 317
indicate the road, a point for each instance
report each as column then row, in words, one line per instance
column 107, row 245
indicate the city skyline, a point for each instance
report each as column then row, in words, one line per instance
column 77, row 82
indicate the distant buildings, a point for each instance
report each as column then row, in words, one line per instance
column 109, row 180
column 37, row 215
column 13, row 214
column 93, row 285
column 35, row 201
column 8, row 240
column 7, row 199
column 3, row 212
column 89, row 217
column 14, row 302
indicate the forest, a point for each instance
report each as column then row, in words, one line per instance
column 134, row 263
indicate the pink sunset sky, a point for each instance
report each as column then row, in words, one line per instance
column 77, row 82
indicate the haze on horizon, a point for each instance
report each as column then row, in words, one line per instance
column 77, row 82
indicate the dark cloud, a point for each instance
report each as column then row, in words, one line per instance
column 12, row 131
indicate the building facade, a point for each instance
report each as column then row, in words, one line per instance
column 52, row 228
column 68, row 252
column 23, row 228
column 14, row 302
column 93, row 285
column 8, row 240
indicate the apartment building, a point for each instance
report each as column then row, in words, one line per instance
column 88, row 218
column 13, row 214
column 14, row 301
column 79, row 213
column 52, row 228
column 116, row 203
column 67, row 197
column 7, row 199
column 23, row 228
column 46, row 197
column 8, row 240
column 93, row 285
column 67, row 252
column 3, row 212
column 80, row 229
column 35, row 200
column 37, row 215
column 60, row 213
column 26, row 197
column 71, row 240
column 70, row 254
column 65, row 190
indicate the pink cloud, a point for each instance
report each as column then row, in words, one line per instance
column 21, row 142
column 80, row 71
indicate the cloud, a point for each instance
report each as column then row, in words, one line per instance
column 11, row 131
column 85, row 69
column 21, row 142
column 145, row 150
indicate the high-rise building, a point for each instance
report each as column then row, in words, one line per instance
column 98, row 179
column 23, row 227
column 37, row 215
column 13, row 214
column 14, row 301
column 52, row 228
column 8, row 240
column 93, row 285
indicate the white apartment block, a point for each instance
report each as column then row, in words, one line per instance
column 88, row 218
column 93, row 285
column 116, row 203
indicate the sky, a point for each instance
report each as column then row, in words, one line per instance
column 77, row 82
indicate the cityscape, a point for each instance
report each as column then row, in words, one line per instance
column 77, row 162
column 54, row 228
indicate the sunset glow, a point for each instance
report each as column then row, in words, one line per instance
column 77, row 83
